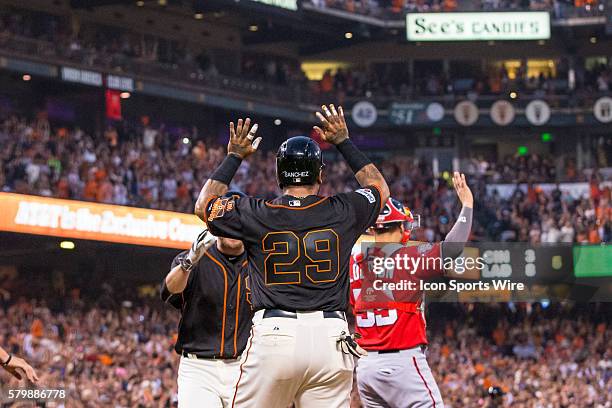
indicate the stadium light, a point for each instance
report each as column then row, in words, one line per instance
column 67, row 245
column 26, row 77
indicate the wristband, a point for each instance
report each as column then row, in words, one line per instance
column 227, row 169
column 187, row 265
column 8, row 360
column 353, row 156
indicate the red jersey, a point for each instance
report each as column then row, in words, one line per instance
column 400, row 328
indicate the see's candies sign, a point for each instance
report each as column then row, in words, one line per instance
column 480, row 26
column 101, row 222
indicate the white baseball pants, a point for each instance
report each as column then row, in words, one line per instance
column 206, row 383
column 295, row 360
column 397, row 380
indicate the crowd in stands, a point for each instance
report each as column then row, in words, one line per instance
column 396, row 8
column 120, row 50
column 121, row 353
column 393, row 81
column 147, row 166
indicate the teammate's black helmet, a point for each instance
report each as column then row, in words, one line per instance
column 298, row 162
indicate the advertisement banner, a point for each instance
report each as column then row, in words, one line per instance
column 478, row 26
column 291, row 5
column 81, row 76
column 120, row 83
column 101, row 222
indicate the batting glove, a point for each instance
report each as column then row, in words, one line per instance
column 199, row 247
column 348, row 345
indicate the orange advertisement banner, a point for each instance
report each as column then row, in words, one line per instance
column 100, row 222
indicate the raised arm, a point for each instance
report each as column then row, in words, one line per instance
column 334, row 130
column 240, row 146
column 176, row 280
column 14, row 364
column 458, row 235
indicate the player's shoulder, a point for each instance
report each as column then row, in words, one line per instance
column 369, row 194
column 220, row 205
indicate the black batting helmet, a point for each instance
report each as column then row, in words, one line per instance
column 298, row 162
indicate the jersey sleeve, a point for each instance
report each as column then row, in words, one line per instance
column 176, row 299
column 224, row 216
column 367, row 204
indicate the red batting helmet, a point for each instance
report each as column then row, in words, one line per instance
column 393, row 213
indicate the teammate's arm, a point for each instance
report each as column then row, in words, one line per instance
column 240, row 146
column 455, row 240
column 177, row 278
column 11, row 363
column 334, row 130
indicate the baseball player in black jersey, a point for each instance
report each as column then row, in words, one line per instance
column 298, row 249
column 208, row 285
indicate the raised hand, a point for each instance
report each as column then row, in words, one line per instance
column 463, row 190
column 18, row 364
column 333, row 126
column 241, row 141
column 199, row 247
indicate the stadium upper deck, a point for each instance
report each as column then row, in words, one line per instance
column 256, row 62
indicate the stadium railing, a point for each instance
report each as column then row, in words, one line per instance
column 296, row 96
column 561, row 14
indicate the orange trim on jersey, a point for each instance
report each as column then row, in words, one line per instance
column 224, row 301
column 208, row 201
column 296, row 208
column 242, row 365
column 236, row 326
column 382, row 203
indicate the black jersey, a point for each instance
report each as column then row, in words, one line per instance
column 215, row 314
column 298, row 248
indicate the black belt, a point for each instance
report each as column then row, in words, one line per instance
column 201, row 357
column 293, row 315
column 422, row 346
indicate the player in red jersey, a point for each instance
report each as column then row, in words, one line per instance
column 395, row 372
